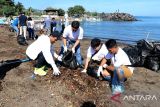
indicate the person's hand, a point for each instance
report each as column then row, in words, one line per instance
column 56, row 71
column 65, row 48
column 100, row 69
column 84, row 71
column 59, row 58
column 105, row 66
column 73, row 50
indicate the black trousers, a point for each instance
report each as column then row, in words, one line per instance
column 40, row 61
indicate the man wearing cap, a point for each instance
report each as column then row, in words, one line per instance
column 72, row 35
column 40, row 50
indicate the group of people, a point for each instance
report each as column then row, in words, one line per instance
column 21, row 24
column 42, row 50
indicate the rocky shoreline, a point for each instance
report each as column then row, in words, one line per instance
column 118, row 17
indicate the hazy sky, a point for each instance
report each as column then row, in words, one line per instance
column 135, row 7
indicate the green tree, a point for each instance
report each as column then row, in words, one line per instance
column 7, row 10
column 30, row 11
column 61, row 12
column 19, row 8
column 76, row 10
column 94, row 13
column 7, row 7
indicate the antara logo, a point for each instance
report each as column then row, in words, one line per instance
column 117, row 98
column 140, row 97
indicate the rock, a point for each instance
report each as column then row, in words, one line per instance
column 118, row 17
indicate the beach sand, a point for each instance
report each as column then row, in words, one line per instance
column 72, row 88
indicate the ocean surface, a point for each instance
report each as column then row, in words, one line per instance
column 146, row 27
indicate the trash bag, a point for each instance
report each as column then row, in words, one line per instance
column 134, row 55
column 156, row 49
column 21, row 40
column 144, row 54
column 144, row 47
column 92, row 71
column 69, row 60
column 6, row 66
column 152, row 62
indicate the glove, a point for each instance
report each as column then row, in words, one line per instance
column 56, row 71
column 73, row 50
column 95, row 58
column 100, row 69
column 65, row 48
column 105, row 66
column 59, row 58
column 84, row 71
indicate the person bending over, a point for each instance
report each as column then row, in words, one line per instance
column 96, row 52
column 40, row 50
column 72, row 35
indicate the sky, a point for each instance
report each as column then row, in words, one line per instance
column 134, row 7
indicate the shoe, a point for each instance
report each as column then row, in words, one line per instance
column 40, row 71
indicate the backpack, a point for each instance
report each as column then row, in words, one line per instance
column 69, row 60
column 21, row 40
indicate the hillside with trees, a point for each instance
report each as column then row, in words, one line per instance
column 9, row 7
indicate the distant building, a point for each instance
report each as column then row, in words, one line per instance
column 51, row 11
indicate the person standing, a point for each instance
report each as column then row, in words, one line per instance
column 23, row 24
column 53, row 25
column 30, row 25
column 72, row 35
column 47, row 25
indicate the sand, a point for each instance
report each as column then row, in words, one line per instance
column 72, row 88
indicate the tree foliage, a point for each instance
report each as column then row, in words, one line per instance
column 76, row 10
column 8, row 7
column 61, row 12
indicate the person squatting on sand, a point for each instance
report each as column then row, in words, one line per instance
column 119, row 62
column 96, row 52
column 72, row 35
column 40, row 50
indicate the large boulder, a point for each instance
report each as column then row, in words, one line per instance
column 119, row 17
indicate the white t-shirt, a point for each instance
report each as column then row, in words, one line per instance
column 30, row 24
column 119, row 59
column 100, row 54
column 68, row 33
column 42, row 44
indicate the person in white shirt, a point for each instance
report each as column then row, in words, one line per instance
column 30, row 26
column 96, row 52
column 72, row 35
column 119, row 66
column 40, row 50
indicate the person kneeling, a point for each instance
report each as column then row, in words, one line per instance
column 40, row 50
column 119, row 62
